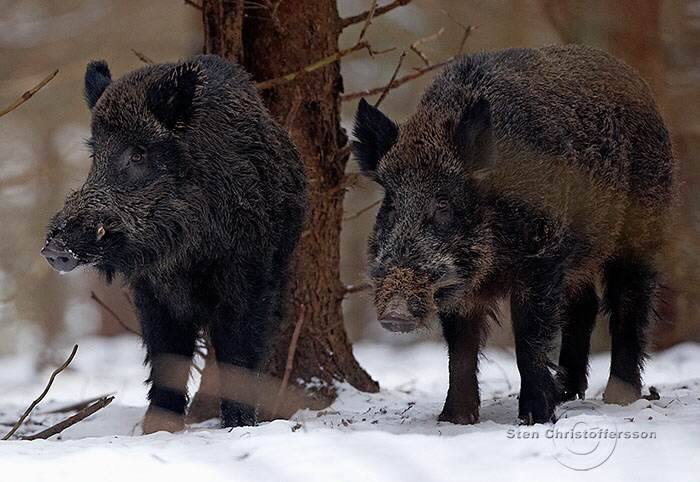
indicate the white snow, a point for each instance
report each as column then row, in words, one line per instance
column 392, row 435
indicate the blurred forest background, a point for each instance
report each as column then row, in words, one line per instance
column 43, row 156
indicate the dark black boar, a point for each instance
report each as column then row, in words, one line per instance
column 197, row 197
column 523, row 175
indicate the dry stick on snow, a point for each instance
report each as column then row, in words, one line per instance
column 142, row 57
column 28, row 94
column 358, row 288
column 112, row 312
column 362, row 211
column 346, row 22
column 43, row 394
column 77, row 405
column 290, row 361
column 72, row 420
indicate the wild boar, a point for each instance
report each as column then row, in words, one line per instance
column 197, row 198
column 524, row 175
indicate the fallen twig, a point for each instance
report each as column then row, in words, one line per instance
column 28, row 94
column 72, row 420
column 77, row 405
column 43, row 394
column 114, row 314
column 346, row 22
column 290, row 362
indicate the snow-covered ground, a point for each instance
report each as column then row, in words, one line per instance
column 392, row 435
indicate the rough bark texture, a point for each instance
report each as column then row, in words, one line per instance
column 289, row 36
column 223, row 24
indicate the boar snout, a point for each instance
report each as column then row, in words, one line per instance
column 59, row 257
column 396, row 316
column 403, row 299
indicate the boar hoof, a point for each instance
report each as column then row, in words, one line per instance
column 571, row 389
column 619, row 392
column 537, row 406
column 159, row 420
column 459, row 418
column 236, row 414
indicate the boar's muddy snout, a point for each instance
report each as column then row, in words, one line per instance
column 59, row 257
column 396, row 316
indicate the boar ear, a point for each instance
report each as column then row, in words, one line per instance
column 171, row 97
column 473, row 140
column 97, row 78
column 375, row 134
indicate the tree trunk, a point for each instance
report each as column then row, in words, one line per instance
column 287, row 37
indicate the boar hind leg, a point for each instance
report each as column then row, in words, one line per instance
column 535, row 310
column 463, row 336
column 169, row 346
column 629, row 292
column 580, row 313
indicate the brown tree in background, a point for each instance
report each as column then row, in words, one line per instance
column 289, row 38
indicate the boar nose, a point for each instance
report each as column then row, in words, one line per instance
column 60, row 258
column 396, row 316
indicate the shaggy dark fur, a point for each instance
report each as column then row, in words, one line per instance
column 523, row 175
column 197, row 197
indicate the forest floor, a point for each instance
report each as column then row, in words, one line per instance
column 391, row 435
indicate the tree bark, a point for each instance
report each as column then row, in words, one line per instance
column 288, row 37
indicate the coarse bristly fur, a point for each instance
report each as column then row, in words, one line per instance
column 528, row 175
column 197, row 198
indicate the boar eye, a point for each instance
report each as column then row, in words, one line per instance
column 442, row 211
column 137, row 156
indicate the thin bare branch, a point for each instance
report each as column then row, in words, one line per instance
column 142, row 57
column 29, row 94
column 194, row 4
column 362, row 211
column 415, row 46
column 334, row 57
column 393, row 78
column 290, row 361
column 396, row 83
column 368, row 22
column 358, row 288
column 72, row 420
column 43, row 394
column 109, row 310
column 346, row 22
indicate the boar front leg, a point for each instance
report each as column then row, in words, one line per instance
column 463, row 337
column 170, row 347
column 535, row 311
